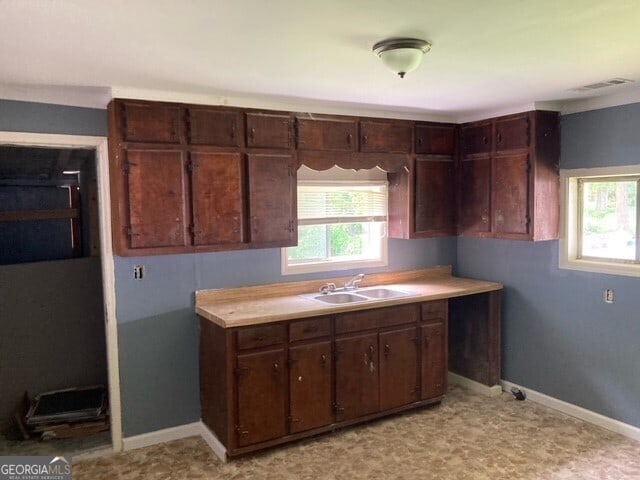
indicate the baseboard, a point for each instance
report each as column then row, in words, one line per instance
column 474, row 386
column 575, row 411
column 175, row 433
column 160, row 436
column 214, row 444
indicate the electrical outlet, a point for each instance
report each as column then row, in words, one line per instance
column 138, row 272
column 608, row 295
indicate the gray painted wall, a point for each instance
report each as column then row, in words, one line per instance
column 559, row 337
column 158, row 330
column 52, row 332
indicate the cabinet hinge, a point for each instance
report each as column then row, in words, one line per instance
column 131, row 232
column 194, row 230
column 291, row 361
column 291, row 226
column 241, row 431
column 126, row 166
column 292, row 419
column 528, row 220
column 337, row 408
column 296, row 137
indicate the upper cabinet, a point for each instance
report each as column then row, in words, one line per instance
column 149, row 122
column 185, row 178
column 510, row 188
column 215, row 127
column 422, row 200
column 386, row 136
column 327, row 133
column 268, row 130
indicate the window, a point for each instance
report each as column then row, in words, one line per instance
column 341, row 225
column 600, row 231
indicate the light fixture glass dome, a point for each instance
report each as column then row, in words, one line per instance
column 401, row 55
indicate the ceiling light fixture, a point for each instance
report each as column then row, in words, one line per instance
column 401, row 55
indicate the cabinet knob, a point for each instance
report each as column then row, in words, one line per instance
column 499, row 138
column 485, row 140
column 387, row 349
column 365, row 139
column 323, row 359
column 276, row 367
column 252, row 133
column 349, row 139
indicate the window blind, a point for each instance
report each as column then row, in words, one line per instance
column 328, row 203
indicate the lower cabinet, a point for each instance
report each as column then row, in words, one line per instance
column 310, row 386
column 269, row 384
column 261, row 389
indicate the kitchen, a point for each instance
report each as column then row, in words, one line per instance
column 558, row 337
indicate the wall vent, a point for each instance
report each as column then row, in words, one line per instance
column 606, row 83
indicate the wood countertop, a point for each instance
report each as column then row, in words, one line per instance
column 236, row 307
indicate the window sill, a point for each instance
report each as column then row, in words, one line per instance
column 629, row 270
column 329, row 266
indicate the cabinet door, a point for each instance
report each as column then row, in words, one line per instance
column 156, row 123
column 386, row 137
column 268, row 130
column 272, row 199
column 217, row 190
column 398, row 368
column 310, row 382
column 475, row 195
column 156, row 198
column 476, row 138
column 435, row 196
column 326, row 134
column 435, row 139
column 261, row 397
column 220, row 128
column 357, row 382
column 434, row 360
column 513, row 132
column 511, row 195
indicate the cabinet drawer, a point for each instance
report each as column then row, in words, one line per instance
column 310, row 328
column 262, row 336
column 435, row 309
column 378, row 318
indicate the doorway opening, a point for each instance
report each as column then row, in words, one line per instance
column 56, row 294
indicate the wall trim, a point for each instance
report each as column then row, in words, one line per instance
column 161, row 436
column 195, row 429
column 572, row 410
column 493, row 391
column 106, row 253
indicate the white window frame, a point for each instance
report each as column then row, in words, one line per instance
column 569, row 223
column 329, row 266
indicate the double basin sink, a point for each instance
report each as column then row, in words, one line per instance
column 340, row 296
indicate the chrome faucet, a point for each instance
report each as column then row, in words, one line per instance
column 354, row 282
column 327, row 288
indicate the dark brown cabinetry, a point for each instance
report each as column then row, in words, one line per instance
column 268, row 384
column 509, row 184
column 434, row 333
column 155, row 212
column 327, row 133
column 217, row 200
column 422, row 201
column 267, row 130
column 357, row 380
column 310, row 386
column 184, row 180
column 261, row 396
column 272, row 190
column 216, row 127
column 390, row 136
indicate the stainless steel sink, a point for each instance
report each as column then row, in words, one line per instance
column 338, row 298
column 382, row 293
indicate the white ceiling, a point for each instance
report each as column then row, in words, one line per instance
column 487, row 56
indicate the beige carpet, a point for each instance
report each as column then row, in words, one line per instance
column 468, row 436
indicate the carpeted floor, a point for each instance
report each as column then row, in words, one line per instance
column 468, row 436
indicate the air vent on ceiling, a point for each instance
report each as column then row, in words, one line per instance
column 607, row 83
